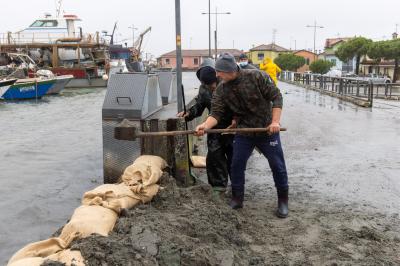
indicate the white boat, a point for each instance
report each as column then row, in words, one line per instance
column 61, row 83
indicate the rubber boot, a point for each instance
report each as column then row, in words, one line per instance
column 237, row 200
column 283, row 203
column 218, row 193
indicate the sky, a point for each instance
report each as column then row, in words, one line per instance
column 251, row 22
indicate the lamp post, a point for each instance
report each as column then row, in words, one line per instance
column 133, row 34
column 216, row 13
column 178, row 39
column 315, row 26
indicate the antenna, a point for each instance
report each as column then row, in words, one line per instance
column 58, row 7
column 274, row 31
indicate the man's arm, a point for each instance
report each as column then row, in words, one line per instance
column 209, row 123
column 197, row 109
column 271, row 93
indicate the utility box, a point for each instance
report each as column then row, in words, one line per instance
column 134, row 96
column 167, row 81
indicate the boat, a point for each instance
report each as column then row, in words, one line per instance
column 32, row 88
column 5, row 85
column 60, row 84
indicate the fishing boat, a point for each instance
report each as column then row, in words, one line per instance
column 24, row 89
column 5, row 85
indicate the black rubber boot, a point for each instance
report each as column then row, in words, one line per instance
column 237, row 200
column 283, row 203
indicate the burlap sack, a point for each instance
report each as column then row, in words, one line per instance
column 40, row 249
column 198, row 161
column 145, row 194
column 112, row 196
column 88, row 220
column 68, row 257
column 28, row 262
column 146, row 170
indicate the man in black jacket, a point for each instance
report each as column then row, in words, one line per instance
column 219, row 155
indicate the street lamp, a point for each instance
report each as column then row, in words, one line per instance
column 216, row 13
column 133, row 34
column 315, row 26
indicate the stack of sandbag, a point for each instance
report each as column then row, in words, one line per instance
column 98, row 213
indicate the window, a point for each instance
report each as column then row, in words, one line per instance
column 333, row 61
column 167, row 61
column 307, row 61
column 45, row 23
column 196, row 61
column 260, row 56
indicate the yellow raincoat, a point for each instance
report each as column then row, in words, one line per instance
column 271, row 69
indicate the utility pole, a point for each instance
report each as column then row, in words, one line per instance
column 315, row 26
column 133, row 34
column 216, row 13
column 209, row 28
column 178, row 55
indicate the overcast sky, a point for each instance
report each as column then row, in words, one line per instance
column 251, row 22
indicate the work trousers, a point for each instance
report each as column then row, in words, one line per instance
column 219, row 159
column 270, row 147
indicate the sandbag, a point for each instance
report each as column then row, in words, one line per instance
column 145, row 194
column 88, row 220
column 37, row 261
column 146, row 170
column 40, row 249
column 68, row 257
column 112, row 196
column 198, row 161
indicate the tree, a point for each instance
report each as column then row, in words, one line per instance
column 321, row 66
column 290, row 62
column 356, row 47
column 387, row 50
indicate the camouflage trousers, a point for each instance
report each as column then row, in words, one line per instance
column 219, row 159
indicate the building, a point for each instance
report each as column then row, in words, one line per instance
column 308, row 56
column 331, row 46
column 191, row 59
column 382, row 67
column 259, row 53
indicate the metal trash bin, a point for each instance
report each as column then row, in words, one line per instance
column 167, row 81
column 134, row 96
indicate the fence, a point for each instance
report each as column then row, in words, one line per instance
column 358, row 91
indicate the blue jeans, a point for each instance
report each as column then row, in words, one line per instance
column 270, row 147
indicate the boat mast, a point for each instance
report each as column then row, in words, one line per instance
column 58, row 7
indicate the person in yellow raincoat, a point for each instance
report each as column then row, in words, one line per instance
column 271, row 69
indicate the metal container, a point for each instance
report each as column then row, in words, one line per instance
column 167, row 80
column 134, row 96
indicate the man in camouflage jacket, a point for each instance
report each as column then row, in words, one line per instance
column 254, row 99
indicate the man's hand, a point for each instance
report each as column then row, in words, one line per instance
column 200, row 130
column 274, row 128
column 182, row 114
column 234, row 124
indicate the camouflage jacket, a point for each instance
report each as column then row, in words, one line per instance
column 250, row 98
column 202, row 102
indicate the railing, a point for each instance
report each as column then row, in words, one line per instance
column 25, row 38
column 346, row 88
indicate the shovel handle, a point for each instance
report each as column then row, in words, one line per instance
column 191, row 132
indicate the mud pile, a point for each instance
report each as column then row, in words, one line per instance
column 190, row 226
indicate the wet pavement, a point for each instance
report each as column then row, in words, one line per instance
column 51, row 154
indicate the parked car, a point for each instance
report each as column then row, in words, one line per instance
column 376, row 79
